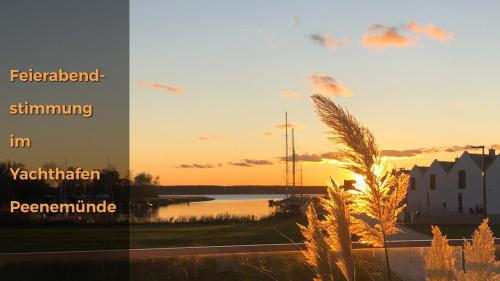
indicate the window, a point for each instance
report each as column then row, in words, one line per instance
column 413, row 183
column 433, row 181
column 460, row 206
column 461, row 179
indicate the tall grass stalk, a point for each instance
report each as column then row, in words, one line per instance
column 318, row 253
column 480, row 260
column 439, row 261
column 479, row 257
column 380, row 191
column 337, row 225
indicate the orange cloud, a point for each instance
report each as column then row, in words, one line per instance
column 315, row 157
column 324, row 40
column 289, row 94
column 328, row 86
column 409, row 152
column 386, row 37
column 308, row 158
column 267, row 134
column 206, row 138
column 199, row 166
column 283, row 126
column 458, row 148
column 431, row 150
column 258, row 162
column 382, row 37
column 160, row 87
column 431, row 31
column 251, row 163
column 240, row 164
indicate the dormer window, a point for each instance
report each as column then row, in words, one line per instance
column 433, row 182
column 461, row 179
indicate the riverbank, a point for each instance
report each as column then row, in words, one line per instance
column 164, row 200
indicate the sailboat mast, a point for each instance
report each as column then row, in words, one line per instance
column 301, row 174
column 293, row 160
column 286, row 152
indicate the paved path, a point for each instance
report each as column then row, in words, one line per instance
column 409, row 234
column 151, row 253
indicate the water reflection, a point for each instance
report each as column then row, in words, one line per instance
column 241, row 205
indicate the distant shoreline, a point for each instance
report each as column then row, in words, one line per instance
column 237, row 189
column 177, row 199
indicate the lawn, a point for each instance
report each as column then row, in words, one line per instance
column 454, row 231
column 283, row 266
column 100, row 237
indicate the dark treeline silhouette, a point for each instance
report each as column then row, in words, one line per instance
column 258, row 189
column 17, row 190
column 111, row 186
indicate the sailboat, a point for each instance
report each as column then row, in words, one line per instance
column 292, row 202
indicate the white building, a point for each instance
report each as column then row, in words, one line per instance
column 493, row 186
column 455, row 188
column 416, row 193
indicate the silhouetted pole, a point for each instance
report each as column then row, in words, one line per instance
column 485, row 213
column 293, row 161
column 301, row 179
column 301, row 174
column 286, row 153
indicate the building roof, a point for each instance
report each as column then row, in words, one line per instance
column 446, row 165
column 477, row 158
column 422, row 169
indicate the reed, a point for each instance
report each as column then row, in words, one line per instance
column 380, row 190
column 439, row 261
column 337, row 224
column 318, row 253
column 330, row 255
column 479, row 256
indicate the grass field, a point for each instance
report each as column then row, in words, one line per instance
column 100, row 237
column 283, row 266
column 289, row 266
column 454, row 231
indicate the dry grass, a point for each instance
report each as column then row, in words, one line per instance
column 319, row 256
column 439, row 262
column 380, row 190
column 282, row 266
column 480, row 260
column 330, row 255
column 479, row 257
column 337, row 225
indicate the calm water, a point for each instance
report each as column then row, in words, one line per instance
column 237, row 204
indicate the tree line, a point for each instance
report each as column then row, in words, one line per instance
column 111, row 185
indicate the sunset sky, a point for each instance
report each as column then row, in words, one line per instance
column 211, row 80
